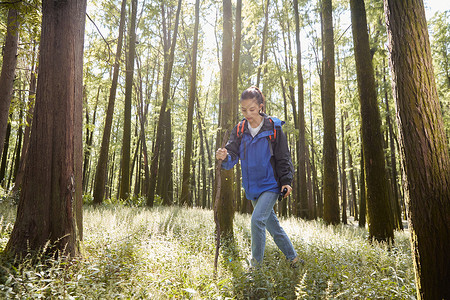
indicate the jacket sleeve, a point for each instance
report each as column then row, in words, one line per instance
column 283, row 161
column 232, row 147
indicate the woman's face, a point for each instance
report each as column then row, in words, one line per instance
column 250, row 109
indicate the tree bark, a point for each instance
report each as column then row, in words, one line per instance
column 423, row 144
column 102, row 164
column 8, row 69
column 330, row 175
column 49, row 199
column 377, row 189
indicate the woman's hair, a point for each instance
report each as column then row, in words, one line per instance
column 254, row 92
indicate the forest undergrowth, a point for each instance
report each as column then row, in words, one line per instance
column 168, row 252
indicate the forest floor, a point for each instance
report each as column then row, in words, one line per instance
column 168, row 252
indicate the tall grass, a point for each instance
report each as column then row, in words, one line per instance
column 168, row 252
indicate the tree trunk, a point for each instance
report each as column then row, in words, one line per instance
column 17, row 157
column 302, row 201
column 26, row 136
column 8, row 69
column 352, row 184
column 235, row 94
column 5, row 155
column 330, row 175
column 185, row 192
column 395, row 197
column 423, row 144
column 344, row 173
column 169, row 51
column 89, row 140
column 362, row 193
column 102, row 164
column 263, row 44
column 225, row 206
column 126, row 139
column 378, row 203
column 49, row 200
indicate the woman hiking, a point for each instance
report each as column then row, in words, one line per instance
column 267, row 171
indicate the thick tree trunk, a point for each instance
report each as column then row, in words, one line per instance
column 8, row 70
column 185, row 192
column 330, row 175
column 377, row 190
column 102, row 164
column 49, row 199
column 423, row 144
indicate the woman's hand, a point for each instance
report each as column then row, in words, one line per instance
column 289, row 190
column 221, row 153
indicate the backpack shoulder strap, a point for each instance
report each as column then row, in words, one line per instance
column 240, row 128
column 273, row 136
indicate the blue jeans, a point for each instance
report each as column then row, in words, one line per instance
column 263, row 218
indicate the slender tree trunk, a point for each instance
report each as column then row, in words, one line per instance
column 169, row 51
column 26, row 136
column 17, row 157
column 8, row 68
column 102, row 164
column 396, row 198
column 5, row 155
column 377, row 189
column 235, row 93
column 302, row 201
column 362, row 193
column 423, row 144
column 185, row 192
column 352, row 184
column 344, row 174
column 49, row 199
column 330, row 177
column 263, row 43
column 225, row 206
column 89, row 140
column 126, row 139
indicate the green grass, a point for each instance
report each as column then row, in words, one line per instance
column 168, row 252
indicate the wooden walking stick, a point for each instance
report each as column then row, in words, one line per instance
column 216, row 202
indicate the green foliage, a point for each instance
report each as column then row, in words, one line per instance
column 166, row 253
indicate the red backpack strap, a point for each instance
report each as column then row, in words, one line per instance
column 273, row 136
column 240, row 128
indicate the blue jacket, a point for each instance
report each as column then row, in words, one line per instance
column 265, row 165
